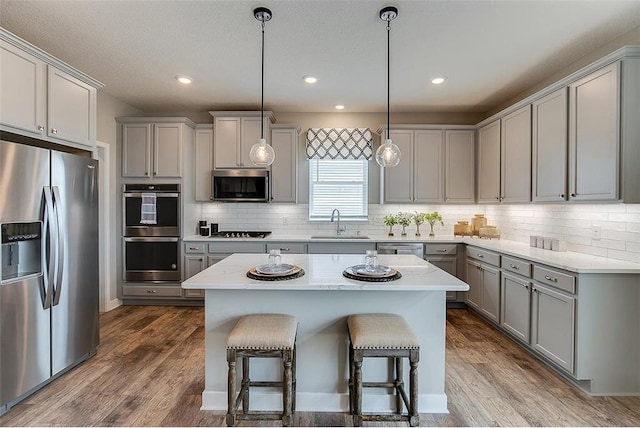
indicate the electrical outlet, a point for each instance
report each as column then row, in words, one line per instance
column 596, row 231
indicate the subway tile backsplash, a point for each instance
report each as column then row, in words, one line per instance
column 619, row 223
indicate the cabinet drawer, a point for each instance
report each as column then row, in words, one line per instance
column 516, row 266
column 194, row 248
column 440, row 249
column 151, row 291
column 237, row 247
column 288, row 247
column 191, row 293
column 555, row 279
column 483, row 256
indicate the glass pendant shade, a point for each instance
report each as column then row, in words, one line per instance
column 262, row 154
column 388, row 154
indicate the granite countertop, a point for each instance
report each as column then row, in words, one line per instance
column 570, row 261
column 324, row 272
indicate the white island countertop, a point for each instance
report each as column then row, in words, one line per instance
column 324, row 272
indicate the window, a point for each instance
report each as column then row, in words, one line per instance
column 341, row 184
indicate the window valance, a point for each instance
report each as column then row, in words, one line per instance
column 339, row 143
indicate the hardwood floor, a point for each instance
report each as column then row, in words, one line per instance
column 149, row 371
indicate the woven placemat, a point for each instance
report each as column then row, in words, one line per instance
column 251, row 273
column 349, row 273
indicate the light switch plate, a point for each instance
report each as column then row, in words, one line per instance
column 596, row 231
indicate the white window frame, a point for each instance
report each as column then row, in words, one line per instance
column 320, row 210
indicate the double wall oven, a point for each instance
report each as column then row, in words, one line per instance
column 151, row 232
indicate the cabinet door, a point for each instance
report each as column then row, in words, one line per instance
column 284, row 172
column 249, row 135
column 398, row 181
column 193, row 265
column 71, row 113
column 515, row 156
column 459, row 167
column 22, row 91
column 549, row 154
column 212, row 260
column 136, row 150
column 428, row 163
column 515, row 310
column 594, row 135
column 489, row 163
column 167, row 150
column 226, row 145
column 448, row 265
column 552, row 325
column 474, row 279
column 203, row 164
column 490, row 293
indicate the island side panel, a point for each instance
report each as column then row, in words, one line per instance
column 322, row 341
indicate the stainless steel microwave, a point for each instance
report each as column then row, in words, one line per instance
column 240, row 185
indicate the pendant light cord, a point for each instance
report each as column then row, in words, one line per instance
column 262, row 89
column 388, row 75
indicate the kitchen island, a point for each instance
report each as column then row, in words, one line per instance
column 321, row 300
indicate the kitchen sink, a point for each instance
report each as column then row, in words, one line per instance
column 340, row 237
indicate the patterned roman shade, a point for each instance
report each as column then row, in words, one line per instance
column 339, row 143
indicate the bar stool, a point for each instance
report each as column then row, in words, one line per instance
column 262, row 336
column 383, row 335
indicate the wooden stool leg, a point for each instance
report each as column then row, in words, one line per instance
column 293, row 369
column 287, row 387
column 357, row 387
column 414, row 417
column 350, row 378
column 231, row 388
column 245, row 381
column 399, row 382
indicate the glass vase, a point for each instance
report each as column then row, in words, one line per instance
column 417, row 229
column 431, row 230
column 390, row 230
column 404, row 232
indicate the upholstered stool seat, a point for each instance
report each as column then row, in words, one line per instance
column 262, row 336
column 383, row 335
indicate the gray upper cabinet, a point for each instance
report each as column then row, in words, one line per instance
column 398, row 181
column 203, row 158
column 136, row 150
column 515, row 156
column 594, row 135
column 42, row 100
column 459, row 166
column 284, row 170
column 489, row 163
column 550, row 143
column 234, row 134
column 428, row 166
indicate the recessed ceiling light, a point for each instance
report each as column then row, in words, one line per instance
column 184, row 79
column 339, row 107
column 438, row 80
column 310, row 79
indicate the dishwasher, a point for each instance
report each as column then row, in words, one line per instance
column 415, row 249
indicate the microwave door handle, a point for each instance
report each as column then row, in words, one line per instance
column 49, row 231
column 60, row 255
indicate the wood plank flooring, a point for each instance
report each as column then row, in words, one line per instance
column 149, row 371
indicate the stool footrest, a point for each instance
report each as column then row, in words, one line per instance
column 258, row 415
column 380, row 385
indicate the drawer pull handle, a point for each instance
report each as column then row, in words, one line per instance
column 480, row 255
column 152, row 291
column 526, row 286
column 548, row 278
column 512, row 266
column 194, row 248
column 40, row 128
column 285, row 249
column 441, row 250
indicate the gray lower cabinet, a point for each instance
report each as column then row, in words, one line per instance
column 553, row 325
column 288, row 247
column 444, row 256
column 483, row 277
column 515, row 308
column 340, row 247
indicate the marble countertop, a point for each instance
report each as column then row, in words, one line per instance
column 570, row 261
column 324, row 272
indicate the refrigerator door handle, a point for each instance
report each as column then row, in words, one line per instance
column 50, row 231
column 60, row 252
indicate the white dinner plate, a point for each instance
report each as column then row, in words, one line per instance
column 380, row 270
column 281, row 269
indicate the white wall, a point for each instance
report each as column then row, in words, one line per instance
column 620, row 223
column 108, row 109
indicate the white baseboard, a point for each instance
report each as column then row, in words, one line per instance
column 325, row 402
column 112, row 304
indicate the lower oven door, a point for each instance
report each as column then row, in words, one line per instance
column 151, row 259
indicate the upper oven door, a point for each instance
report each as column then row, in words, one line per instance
column 167, row 215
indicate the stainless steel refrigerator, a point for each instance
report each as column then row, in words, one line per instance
column 49, row 270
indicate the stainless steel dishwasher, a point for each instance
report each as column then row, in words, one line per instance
column 389, row 248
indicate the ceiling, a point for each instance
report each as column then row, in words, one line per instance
column 490, row 51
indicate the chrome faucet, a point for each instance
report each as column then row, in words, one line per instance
column 338, row 228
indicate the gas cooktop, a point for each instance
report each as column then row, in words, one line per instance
column 240, row 234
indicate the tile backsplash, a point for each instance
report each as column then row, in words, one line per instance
column 619, row 223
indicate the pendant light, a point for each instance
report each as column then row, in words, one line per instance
column 261, row 153
column 388, row 154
